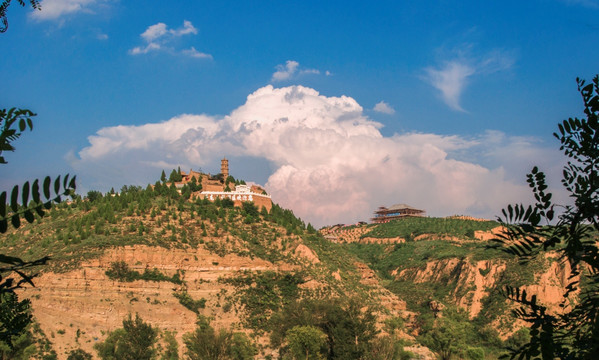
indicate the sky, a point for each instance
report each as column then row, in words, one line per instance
column 335, row 107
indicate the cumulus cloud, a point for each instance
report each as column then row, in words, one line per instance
column 56, row 9
column 384, row 108
column 159, row 37
column 329, row 162
column 451, row 77
column 290, row 70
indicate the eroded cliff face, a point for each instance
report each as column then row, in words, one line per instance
column 475, row 279
column 79, row 307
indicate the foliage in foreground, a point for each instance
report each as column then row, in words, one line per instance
column 573, row 334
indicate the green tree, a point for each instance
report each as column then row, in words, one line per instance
column 250, row 209
column 175, row 176
column 16, row 341
column 94, row 195
column 349, row 330
column 205, row 343
column 447, row 338
column 305, row 343
column 194, row 186
column 136, row 340
column 573, row 334
column 242, row 347
column 172, row 347
column 79, row 354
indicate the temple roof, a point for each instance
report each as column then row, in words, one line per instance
column 402, row 206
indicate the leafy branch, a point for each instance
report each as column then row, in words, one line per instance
column 574, row 332
column 8, row 118
column 4, row 6
column 14, row 211
column 25, row 201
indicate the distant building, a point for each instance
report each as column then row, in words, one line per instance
column 216, row 187
column 395, row 212
column 239, row 195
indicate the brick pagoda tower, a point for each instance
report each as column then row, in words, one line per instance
column 224, row 168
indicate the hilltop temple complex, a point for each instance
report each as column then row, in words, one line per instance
column 394, row 212
column 221, row 187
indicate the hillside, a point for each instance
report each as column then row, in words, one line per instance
column 181, row 262
column 239, row 266
column 445, row 266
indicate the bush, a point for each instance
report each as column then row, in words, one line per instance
column 79, row 354
column 186, row 300
column 136, row 340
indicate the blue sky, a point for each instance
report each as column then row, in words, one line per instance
column 446, row 104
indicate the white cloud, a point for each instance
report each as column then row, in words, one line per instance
column 384, row 108
column 330, row 163
column 289, row 70
column 310, row 71
column 102, row 36
column 159, row 37
column 451, row 78
column 286, row 71
column 187, row 28
column 55, row 9
column 192, row 52
column 154, row 32
column 144, row 50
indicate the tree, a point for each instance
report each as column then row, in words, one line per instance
column 172, row 347
column 15, row 318
column 242, row 347
column 79, row 354
column 93, row 195
column 175, row 176
column 193, row 185
column 306, row 343
column 349, row 330
column 205, row 343
column 136, row 340
column 573, row 334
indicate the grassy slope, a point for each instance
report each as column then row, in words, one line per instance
column 411, row 227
